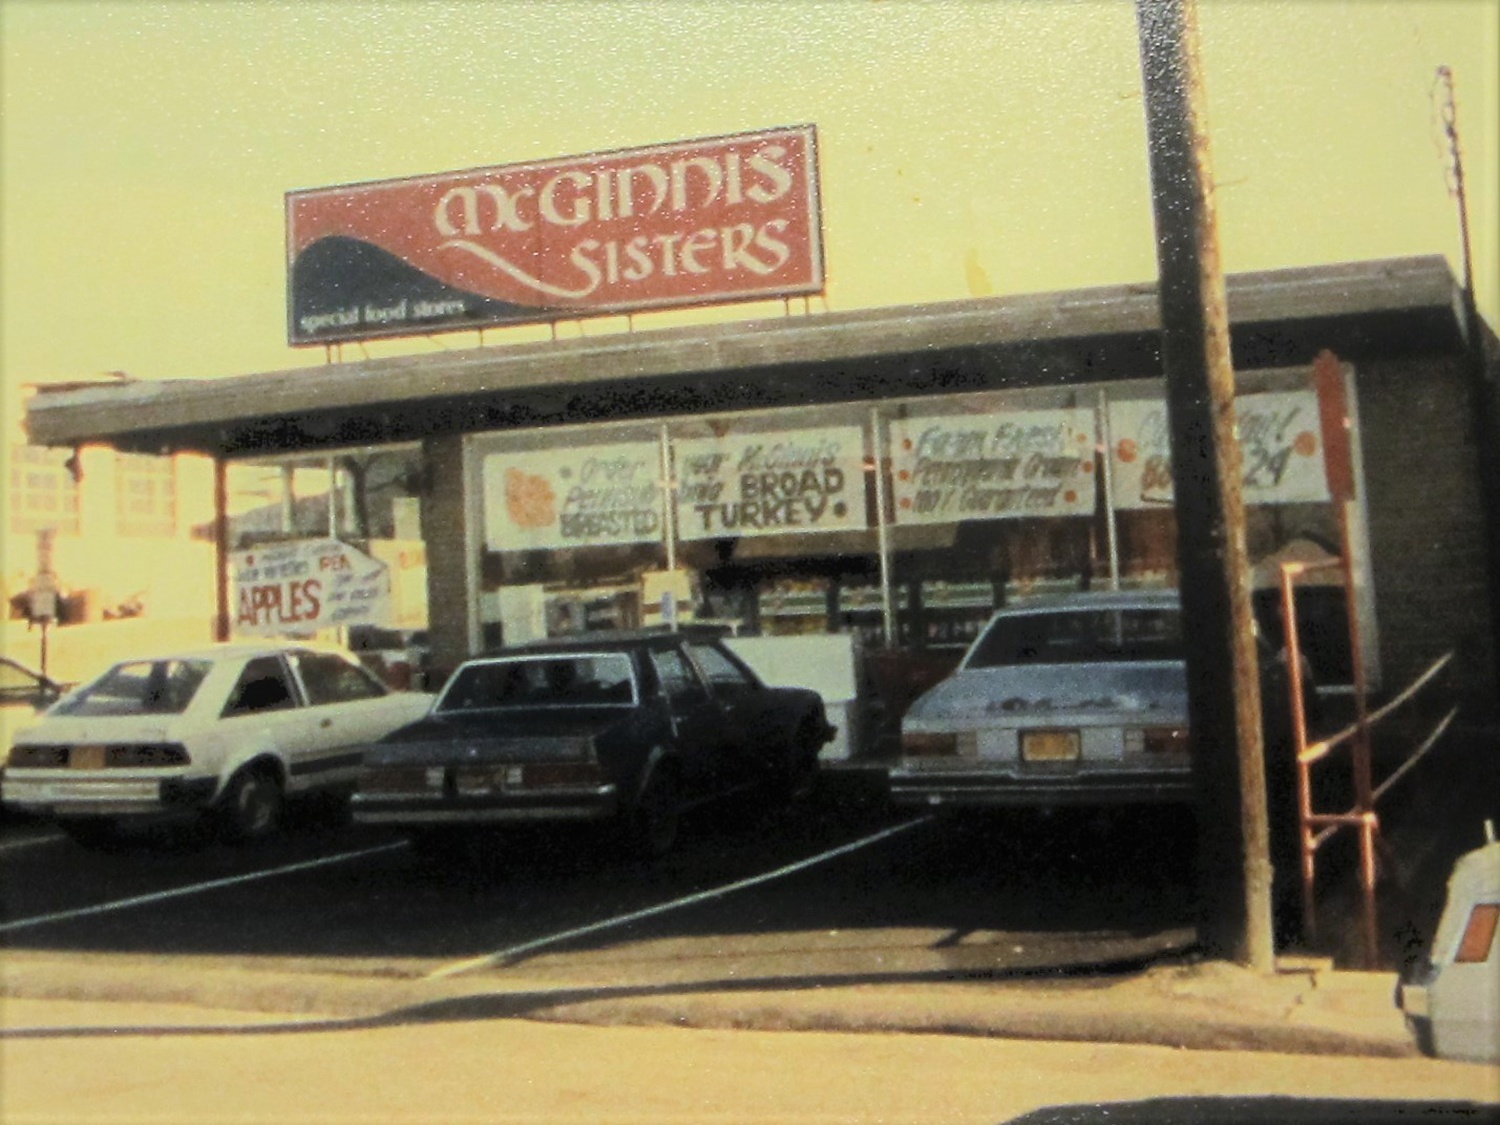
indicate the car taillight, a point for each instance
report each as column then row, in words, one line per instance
column 401, row 779
column 925, row 744
column 560, row 775
column 39, row 757
column 146, row 755
column 1157, row 740
column 1479, row 934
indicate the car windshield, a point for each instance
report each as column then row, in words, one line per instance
column 139, row 687
column 1082, row 636
column 541, row 681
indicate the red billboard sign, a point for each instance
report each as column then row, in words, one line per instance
column 688, row 223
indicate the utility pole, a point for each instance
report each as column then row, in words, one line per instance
column 1234, row 876
column 1484, row 394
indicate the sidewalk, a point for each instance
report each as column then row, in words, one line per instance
column 1303, row 1008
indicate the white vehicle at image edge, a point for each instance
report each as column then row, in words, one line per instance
column 223, row 733
column 1074, row 699
column 1451, row 998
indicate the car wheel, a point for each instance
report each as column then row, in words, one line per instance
column 654, row 820
column 250, row 808
column 95, row 834
column 799, row 771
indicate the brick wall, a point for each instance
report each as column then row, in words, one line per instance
column 1426, row 525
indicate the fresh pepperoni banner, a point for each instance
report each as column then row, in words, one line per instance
column 688, row 223
column 305, row 585
column 998, row 466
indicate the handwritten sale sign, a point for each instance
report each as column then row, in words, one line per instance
column 1279, row 443
column 306, row 585
column 580, row 496
column 791, row 481
column 995, row 466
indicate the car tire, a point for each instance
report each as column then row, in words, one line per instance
column 250, row 808
column 94, row 834
column 799, row 771
column 654, row 821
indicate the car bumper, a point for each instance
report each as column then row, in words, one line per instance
column 61, row 793
column 600, row 803
column 986, row 789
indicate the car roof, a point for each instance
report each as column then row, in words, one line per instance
column 609, row 639
column 1079, row 600
column 230, row 650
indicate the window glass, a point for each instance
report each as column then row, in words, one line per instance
column 43, row 491
column 721, row 671
column 585, row 680
column 145, row 494
column 139, row 687
column 329, row 678
column 262, row 686
column 675, row 673
column 1080, row 637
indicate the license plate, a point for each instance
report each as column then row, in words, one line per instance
column 86, row 758
column 1050, row 745
column 475, row 782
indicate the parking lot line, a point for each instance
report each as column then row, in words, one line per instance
column 196, row 888
column 499, row 957
column 31, row 842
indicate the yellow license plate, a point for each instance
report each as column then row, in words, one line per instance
column 86, row 758
column 1050, row 745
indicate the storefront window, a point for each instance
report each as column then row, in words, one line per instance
column 776, row 522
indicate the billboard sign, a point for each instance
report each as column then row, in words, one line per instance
column 692, row 222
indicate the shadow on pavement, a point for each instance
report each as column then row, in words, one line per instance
column 521, row 1004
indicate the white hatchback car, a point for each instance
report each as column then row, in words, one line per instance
column 225, row 732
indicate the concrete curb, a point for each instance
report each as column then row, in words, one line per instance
column 1209, row 1006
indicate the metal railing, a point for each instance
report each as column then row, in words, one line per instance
column 1316, row 828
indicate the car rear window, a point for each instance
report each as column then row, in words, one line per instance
column 541, row 681
column 139, row 687
column 1080, row 637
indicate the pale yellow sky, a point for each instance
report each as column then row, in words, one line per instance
column 967, row 147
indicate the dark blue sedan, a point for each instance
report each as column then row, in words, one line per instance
column 634, row 727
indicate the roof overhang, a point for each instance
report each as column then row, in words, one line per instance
column 1363, row 310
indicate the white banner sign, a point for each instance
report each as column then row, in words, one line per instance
column 994, row 466
column 771, row 484
column 1283, row 454
column 305, row 585
column 582, row 496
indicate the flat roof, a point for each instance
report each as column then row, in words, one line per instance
column 1361, row 310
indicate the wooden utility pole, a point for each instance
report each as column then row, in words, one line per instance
column 1234, row 880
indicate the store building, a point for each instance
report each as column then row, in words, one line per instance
column 890, row 474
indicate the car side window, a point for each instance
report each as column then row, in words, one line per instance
column 329, row 678
column 721, row 671
column 676, row 675
column 262, row 686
